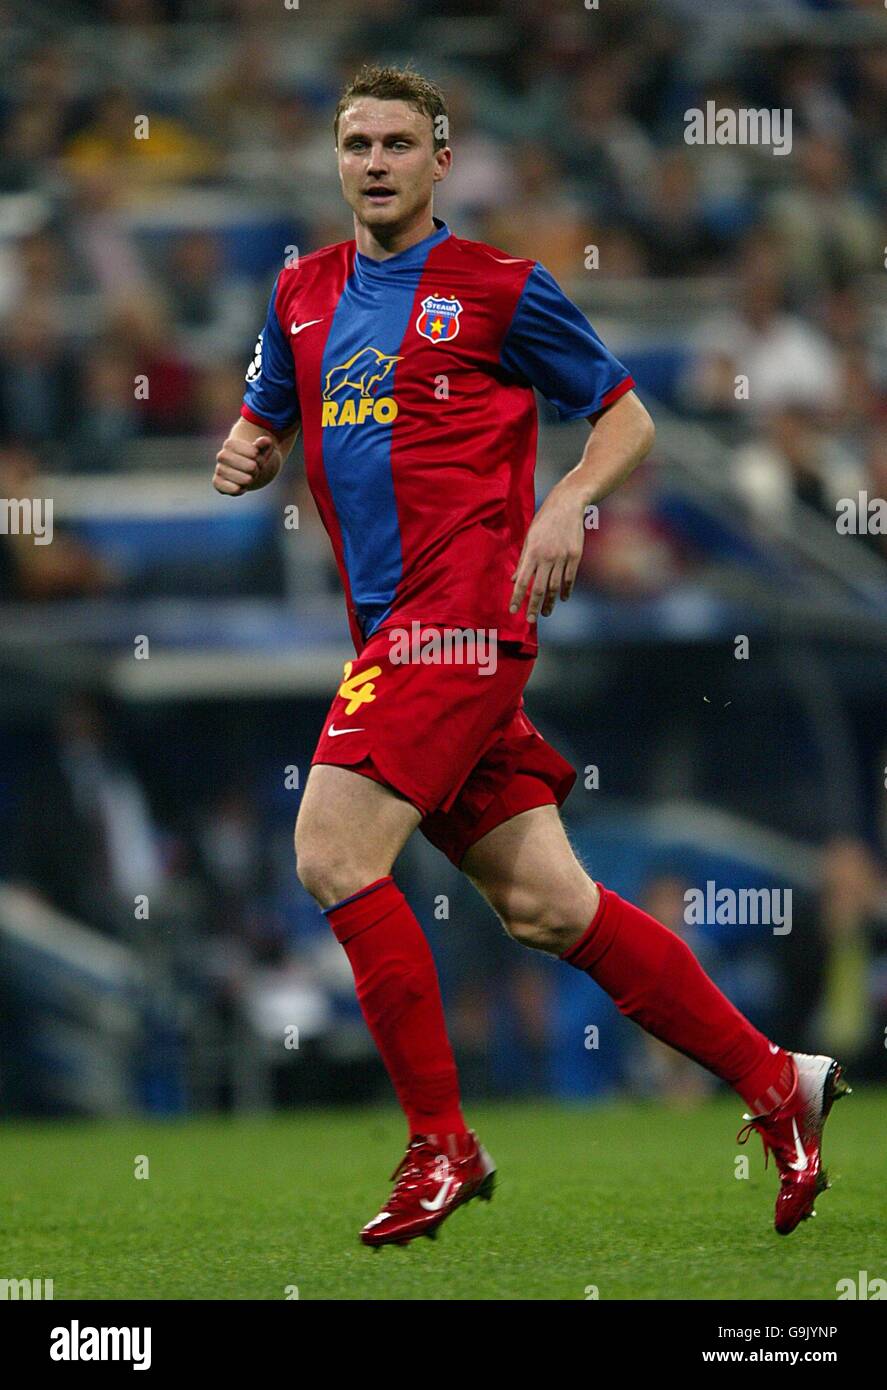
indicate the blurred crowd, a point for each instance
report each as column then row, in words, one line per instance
column 158, row 160
column 234, row 951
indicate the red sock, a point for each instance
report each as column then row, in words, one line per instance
column 654, row 978
column 400, row 997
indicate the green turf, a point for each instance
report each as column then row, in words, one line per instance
column 638, row 1200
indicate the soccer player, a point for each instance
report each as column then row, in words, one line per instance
column 408, row 358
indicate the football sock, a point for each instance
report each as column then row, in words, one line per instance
column 654, row 979
column 399, row 994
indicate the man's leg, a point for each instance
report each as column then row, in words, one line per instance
column 349, row 832
column 527, row 871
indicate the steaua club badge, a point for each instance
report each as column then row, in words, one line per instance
column 439, row 319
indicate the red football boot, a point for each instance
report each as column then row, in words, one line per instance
column 793, row 1133
column 437, row 1174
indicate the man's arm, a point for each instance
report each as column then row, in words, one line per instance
column 251, row 457
column 621, row 438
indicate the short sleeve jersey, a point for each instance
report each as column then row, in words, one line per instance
column 413, row 381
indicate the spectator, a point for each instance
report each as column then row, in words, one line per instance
column 794, row 461
column 607, row 153
column 633, row 553
column 28, row 145
column 759, row 357
column 487, row 176
column 830, row 961
column 141, row 331
column 38, row 378
column 108, row 418
column 823, row 226
column 875, row 486
column 212, row 311
column 672, row 224
column 677, row 1080
column 85, row 837
column 139, row 157
column 64, row 568
column 540, row 219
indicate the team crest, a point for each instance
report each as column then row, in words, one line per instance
column 439, row 319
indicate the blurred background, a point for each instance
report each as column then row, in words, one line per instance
column 165, row 663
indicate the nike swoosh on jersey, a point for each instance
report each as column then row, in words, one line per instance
column 297, row 327
column 334, row 732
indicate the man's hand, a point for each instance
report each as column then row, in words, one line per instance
column 243, row 465
column 552, row 551
column 621, row 436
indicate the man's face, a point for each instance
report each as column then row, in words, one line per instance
column 388, row 165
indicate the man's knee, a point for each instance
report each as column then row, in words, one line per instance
column 329, row 879
column 548, row 922
column 330, row 870
column 332, row 865
column 349, row 832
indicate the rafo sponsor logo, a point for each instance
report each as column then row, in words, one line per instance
column 744, row 126
column 351, row 393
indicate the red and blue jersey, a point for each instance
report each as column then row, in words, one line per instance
column 413, row 381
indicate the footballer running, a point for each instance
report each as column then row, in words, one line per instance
column 408, row 359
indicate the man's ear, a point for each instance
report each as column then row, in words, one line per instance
column 442, row 172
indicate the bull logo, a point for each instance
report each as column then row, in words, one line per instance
column 362, row 373
column 439, row 319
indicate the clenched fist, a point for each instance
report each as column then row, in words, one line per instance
column 243, row 465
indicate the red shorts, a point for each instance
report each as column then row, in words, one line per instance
column 454, row 742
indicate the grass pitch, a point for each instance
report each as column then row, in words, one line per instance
column 639, row 1201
